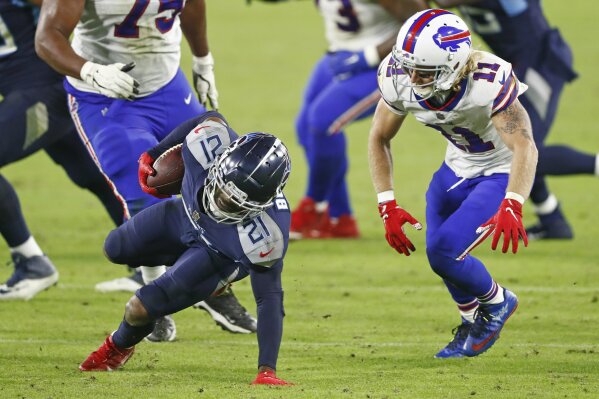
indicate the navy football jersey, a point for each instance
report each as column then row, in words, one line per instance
column 17, row 48
column 517, row 31
column 261, row 240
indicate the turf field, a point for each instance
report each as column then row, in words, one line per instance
column 362, row 322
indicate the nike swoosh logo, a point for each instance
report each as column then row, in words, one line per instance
column 477, row 347
column 502, row 81
column 263, row 254
column 510, row 210
column 187, row 99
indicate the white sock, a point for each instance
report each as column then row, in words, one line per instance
column 321, row 206
column 597, row 165
column 28, row 249
column 546, row 207
column 495, row 299
column 150, row 274
column 468, row 315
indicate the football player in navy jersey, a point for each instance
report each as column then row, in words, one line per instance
column 34, row 116
column 126, row 91
column 231, row 221
column 519, row 32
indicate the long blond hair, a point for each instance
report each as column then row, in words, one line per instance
column 471, row 66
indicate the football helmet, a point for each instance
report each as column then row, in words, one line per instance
column 432, row 48
column 244, row 180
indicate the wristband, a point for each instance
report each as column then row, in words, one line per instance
column 385, row 196
column 514, row 196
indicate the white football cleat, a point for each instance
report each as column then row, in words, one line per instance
column 31, row 276
column 129, row 284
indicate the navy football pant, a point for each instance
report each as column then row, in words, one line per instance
column 546, row 82
column 37, row 118
column 116, row 132
column 454, row 210
column 328, row 106
column 162, row 235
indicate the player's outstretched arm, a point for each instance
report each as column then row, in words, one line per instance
column 513, row 125
column 385, row 125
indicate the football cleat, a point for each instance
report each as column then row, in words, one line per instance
column 130, row 284
column 108, row 357
column 488, row 322
column 228, row 313
column 307, row 222
column 556, row 230
column 31, row 276
column 344, row 226
column 269, row 378
column 455, row 347
column 165, row 330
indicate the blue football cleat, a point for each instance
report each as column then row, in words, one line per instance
column 31, row 276
column 456, row 347
column 488, row 323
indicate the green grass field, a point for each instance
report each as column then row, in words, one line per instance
column 362, row 322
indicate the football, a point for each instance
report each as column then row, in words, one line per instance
column 169, row 169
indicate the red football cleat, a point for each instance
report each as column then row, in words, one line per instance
column 108, row 357
column 307, row 222
column 269, row 378
column 344, row 227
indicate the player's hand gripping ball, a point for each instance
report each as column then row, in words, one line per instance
column 165, row 175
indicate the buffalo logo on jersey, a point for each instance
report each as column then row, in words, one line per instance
column 449, row 38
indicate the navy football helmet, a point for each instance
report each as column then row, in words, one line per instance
column 244, row 180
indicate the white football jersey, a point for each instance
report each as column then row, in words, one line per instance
column 475, row 147
column 146, row 32
column 356, row 24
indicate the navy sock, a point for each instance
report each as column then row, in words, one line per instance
column 559, row 160
column 13, row 227
column 127, row 335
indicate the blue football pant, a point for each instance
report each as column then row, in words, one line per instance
column 453, row 213
column 328, row 106
column 116, row 132
column 38, row 118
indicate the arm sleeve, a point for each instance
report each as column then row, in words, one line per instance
column 180, row 132
column 268, row 292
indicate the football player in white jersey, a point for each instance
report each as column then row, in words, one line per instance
column 126, row 92
column 471, row 98
column 341, row 89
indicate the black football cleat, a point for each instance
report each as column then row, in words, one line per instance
column 228, row 313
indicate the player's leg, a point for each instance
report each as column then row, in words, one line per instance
column 310, row 217
column 545, row 82
column 448, row 252
column 197, row 274
column 30, row 120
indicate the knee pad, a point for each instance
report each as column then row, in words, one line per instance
column 153, row 299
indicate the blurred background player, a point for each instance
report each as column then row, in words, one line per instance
column 231, row 221
column 341, row 89
column 471, row 98
column 34, row 116
column 519, row 32
column 126, row 92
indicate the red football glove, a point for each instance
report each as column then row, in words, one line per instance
column 269, row 378
column 394, row 218
column 146, row 170
column 507, row 221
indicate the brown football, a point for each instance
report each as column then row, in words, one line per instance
column 169, row 172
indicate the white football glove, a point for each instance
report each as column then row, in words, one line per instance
column 111, row 80
column 203, row 80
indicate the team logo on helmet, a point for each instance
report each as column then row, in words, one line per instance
column 449, row 38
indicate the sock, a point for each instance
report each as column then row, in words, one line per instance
column 493, row 297
column 597, row 165
column 467, row 310
column 28, row 249
column 546, row 207
column 150, row 274
column 127, row 335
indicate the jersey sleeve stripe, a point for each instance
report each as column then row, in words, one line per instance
column 504, row 90
column 509, row 99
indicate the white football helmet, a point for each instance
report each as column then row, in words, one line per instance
column 434, row 44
